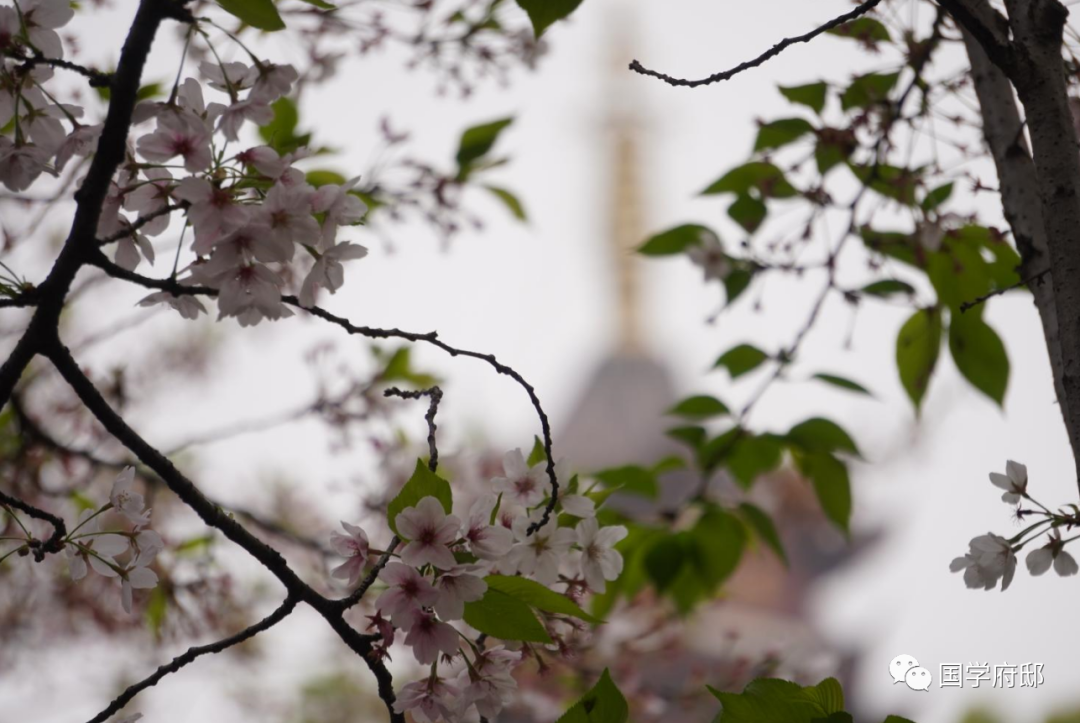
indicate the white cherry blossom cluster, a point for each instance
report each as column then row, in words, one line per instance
column 34, row 138
column 250, row 208
column 123, row 555
column 442, row 567
column 992, row 558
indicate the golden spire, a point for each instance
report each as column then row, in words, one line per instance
column 626, row 225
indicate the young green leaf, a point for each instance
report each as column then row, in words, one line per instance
column 699, row 407
column 812, row 95
column 512, row 202
column 505, row 617
column 979, row 355
column 674, row 240
column 779, row 133
column 764, row 527
column 259, row 14
column 832, row 485
column 540, row 597
column 423, row 483
column 542, row 13
column 888, row 287
column 741, row 359
column 765, row 177
column 842, row 382
column 917, row 347
column 748, row 212
column 867, row 90
column 604, row 703
column 821, row 435
column 476, row 142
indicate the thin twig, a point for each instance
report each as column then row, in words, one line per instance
column 772, row 52
column 191, row 654
column 97, row 78
column 55, row 541
column 998, row 292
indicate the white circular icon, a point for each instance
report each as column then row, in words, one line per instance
column 899, row 667
column 918, row 678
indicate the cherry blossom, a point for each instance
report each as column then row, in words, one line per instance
column 151, row 197
column 429, row 531
column 286, row 210
column 213, row 212
column 42, row 18
column 80, row 142
column 989, row 559
column 709, row 254
column 328, row 273
column 341, row 208
column 538, row 555
column 407, row 591
column 21, row 163
column 1014, row 482
column 578, row 505
column 178, row 134
column 126, row 501
column 599, row 561
column 93, row 548
column 1053, row 553
column 188, row 306
column 524, row 485
column 488, row 684
column 428, row 637
column 427, row 700
column 353, row 546
column 135, row 577
column 486, row 541
column 457, row 586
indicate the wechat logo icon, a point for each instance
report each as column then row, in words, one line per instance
column 905, row 669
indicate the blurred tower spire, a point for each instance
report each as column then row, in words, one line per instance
column 626, row 224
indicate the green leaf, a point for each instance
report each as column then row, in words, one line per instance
column 674, row 240
column 822, row 435
column 779, row 133
column 735, row 283
column 892, row 182
column 768, row 699
column 542, row 13
column 399, row 369
column 476, row 142
column 602, row 704
column 979, row 355
column 259, row 14
column 867, row 31
column 888, row 287
column 324, row 177
column 423, row 483
column 538, row 596
column 505, row 617
column 664, row 560
column 512, row 202
column 917, row 347
column 764, row 527
column 937, row 197
column 741, row 359
column 321, row 4
column 719, row 539
column 812, row 95
column 868, row 89
column 537, row 454
column 699, row 407
column 692, row 436
column 630, row 478
column 751, row 456
column 838, row 717
column 766, row 178
column 280, row 133
column 897, row 719
column 829, row 695
column 157, row 607
column 716, row 450
column 748, row 212
column 843, row 383
column 832, row 485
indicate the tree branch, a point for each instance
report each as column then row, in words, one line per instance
column 96, row 77
column 177, row 289
column 772, row 52
column 282, row 612
column 55, row 541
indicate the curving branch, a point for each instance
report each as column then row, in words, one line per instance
column 177, row 289
column 141, row 221
column 772, row 52
column 282, row 612
column 97, row 78
column 55, row 543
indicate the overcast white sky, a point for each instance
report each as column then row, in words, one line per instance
column 539, row 297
